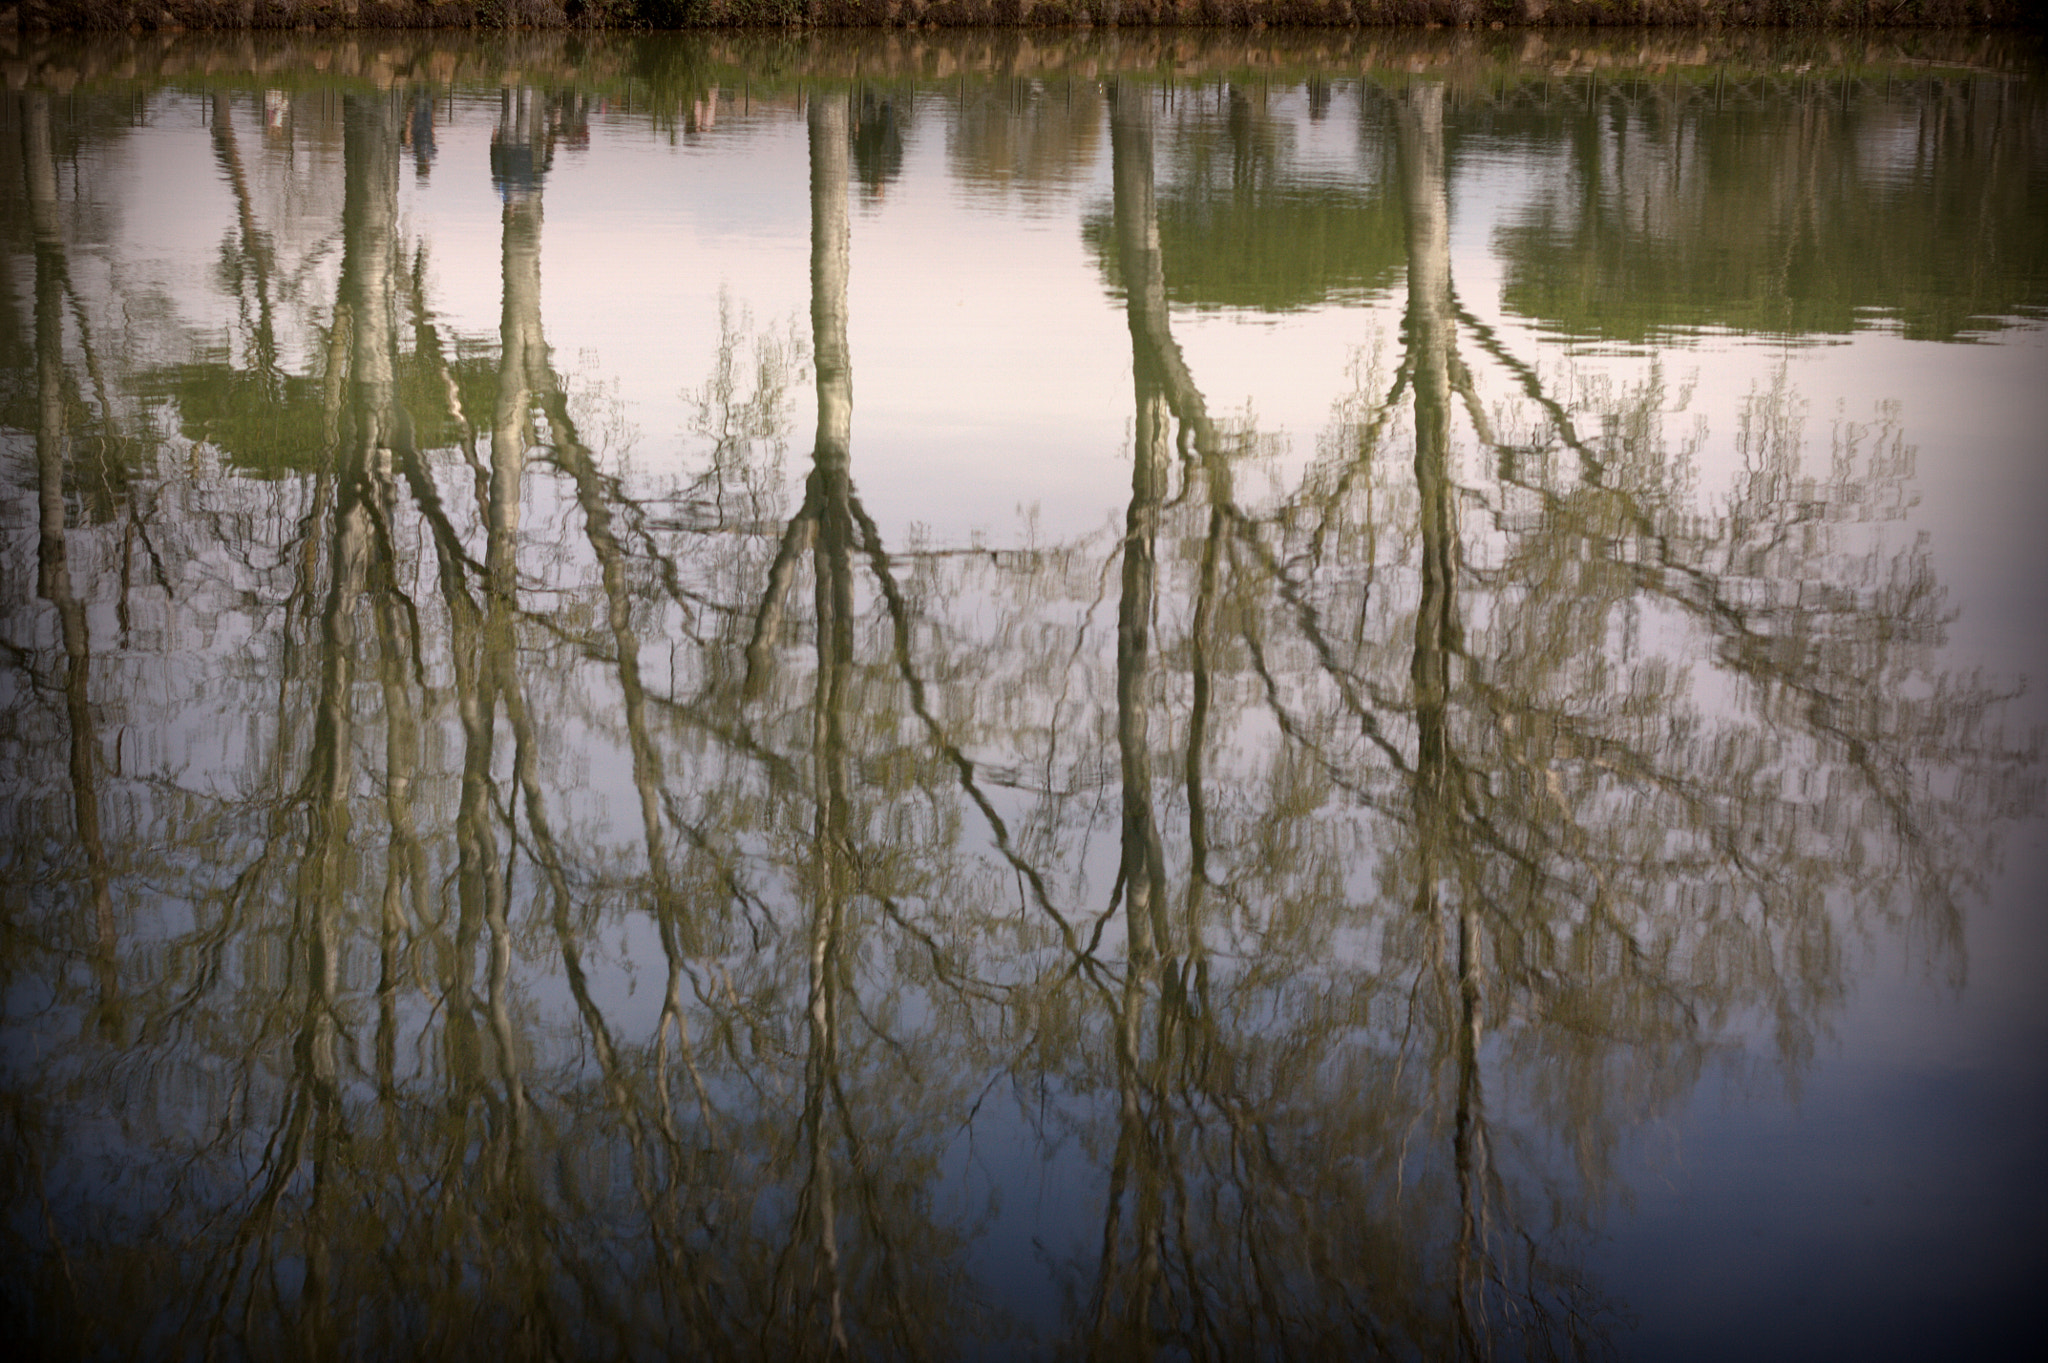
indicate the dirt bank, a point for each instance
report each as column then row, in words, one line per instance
column 128, row 15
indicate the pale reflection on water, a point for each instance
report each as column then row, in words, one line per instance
column 692, row 700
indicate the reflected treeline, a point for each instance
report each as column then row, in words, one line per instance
column 1787, row 207
column 1243, row 223
column 497, row 900
column 1028, row 137
column 1830, row 206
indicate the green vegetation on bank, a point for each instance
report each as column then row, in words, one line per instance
column 121, row 15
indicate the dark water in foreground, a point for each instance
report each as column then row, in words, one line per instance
column 1111, row 700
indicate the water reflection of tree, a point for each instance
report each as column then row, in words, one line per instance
column 1460, row 820
column 1813, row 214
column 1024, row 136
column 1254, row 1197
column 1243, row 225
column 445, row 1125
column 1585, row 880
column 57, row 436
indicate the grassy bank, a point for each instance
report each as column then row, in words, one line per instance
column 669, row 72
column 128, row 15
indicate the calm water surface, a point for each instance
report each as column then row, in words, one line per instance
column 1011, row 697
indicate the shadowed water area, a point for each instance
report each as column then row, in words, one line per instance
column 1004, row 696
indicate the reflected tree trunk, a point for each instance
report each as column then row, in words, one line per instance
column 522, row 353
column 1143, row 872
column 1438, row 781
column 360, row 560
column 362, row 403
column 53, row 573
column 1126, row 1312
column 1167, row 1055
column 828, row 503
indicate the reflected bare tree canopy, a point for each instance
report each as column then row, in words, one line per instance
column 489, row 875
